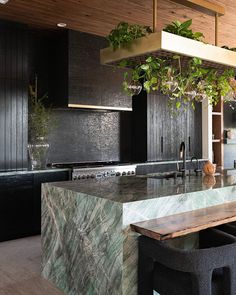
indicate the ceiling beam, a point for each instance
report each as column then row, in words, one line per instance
column 203, row 6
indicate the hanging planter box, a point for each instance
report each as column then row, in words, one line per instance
column 165, row 45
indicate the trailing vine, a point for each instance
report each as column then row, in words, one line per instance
column 183, row 83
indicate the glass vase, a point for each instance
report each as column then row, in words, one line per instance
column 38, row 149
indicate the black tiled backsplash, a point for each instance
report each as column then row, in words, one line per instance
column 90, row 136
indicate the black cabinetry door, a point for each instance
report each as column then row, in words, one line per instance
column 20, row 203
column 158, row 133
column 16, row 204
column 161, row 130
column 13, row 95
column 40, row 178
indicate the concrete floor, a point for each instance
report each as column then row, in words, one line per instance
column 20, row 262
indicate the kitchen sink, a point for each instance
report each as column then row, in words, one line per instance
column 168, row 175
column 163, row 175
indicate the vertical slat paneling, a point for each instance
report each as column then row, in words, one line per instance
column 13, row 97
column 2, row 123
column 8, row 115
column 24, row 136
column 172, row 128
column 24, row 89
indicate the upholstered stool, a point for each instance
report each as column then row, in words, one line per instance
column 229, row 228
column 209, row 269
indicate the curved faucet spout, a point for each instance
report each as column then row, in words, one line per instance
column 182, row 156
column 182, row 150
column 197, row 169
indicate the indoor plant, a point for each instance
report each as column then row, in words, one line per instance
column 182, row 83
column 183, row 29
column 124, row 33
column 39, row 123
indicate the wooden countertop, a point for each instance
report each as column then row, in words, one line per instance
column 185, row 223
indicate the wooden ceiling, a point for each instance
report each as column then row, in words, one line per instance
column 100, row 16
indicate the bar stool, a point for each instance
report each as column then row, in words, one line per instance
column 209, row 269
column 229, row 228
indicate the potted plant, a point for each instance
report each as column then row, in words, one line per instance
column 39, row 127
column 184, row 82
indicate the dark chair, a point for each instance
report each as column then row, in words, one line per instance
column 229, row 228
column 209, row 269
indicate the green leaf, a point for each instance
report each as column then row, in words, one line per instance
column 176, row 57
column 196, row 61
column 186, row 24
column 183, row 29
column 198, row 35
column 154, row 80
column 176, row 23
column 123, row 63
column 149, row 59
column 178, row 104
column 126, row 75
column 124, row 33
column 125, row 85
column 145, row 67
column 146, row 86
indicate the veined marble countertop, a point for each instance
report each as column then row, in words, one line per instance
column 163, row 162
column 22, row 172
column 87, row 244
column 138, row 188
column 27, row 171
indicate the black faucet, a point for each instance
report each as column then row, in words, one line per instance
column 182, row 156
column 197, row 170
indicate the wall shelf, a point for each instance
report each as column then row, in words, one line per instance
column 217, row 130
column 216, row 140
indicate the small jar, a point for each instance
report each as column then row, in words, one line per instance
column 229, row 134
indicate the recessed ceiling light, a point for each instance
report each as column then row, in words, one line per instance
column 60, row 25
column 3, row 1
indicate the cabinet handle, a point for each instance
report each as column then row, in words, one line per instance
column 162, row 144
column 189, row 144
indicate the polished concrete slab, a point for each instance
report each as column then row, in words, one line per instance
column 20, row 269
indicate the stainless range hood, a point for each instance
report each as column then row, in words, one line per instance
column 164, row 45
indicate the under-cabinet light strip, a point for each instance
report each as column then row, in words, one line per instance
column 85, row 106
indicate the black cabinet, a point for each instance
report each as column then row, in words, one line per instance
column 158, row 133
column 77, row 76
column 16, row 204
column 20, row 203
column 13, row 96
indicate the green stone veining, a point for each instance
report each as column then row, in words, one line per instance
column 88, row 247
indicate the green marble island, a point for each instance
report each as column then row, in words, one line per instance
column 88, row 247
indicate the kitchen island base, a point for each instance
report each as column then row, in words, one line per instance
column 88, row 246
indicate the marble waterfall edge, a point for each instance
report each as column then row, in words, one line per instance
column 88, row 247
column 82, row 242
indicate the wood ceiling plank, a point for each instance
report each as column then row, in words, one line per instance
column 100, row 16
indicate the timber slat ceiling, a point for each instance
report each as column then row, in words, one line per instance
column 100, row 16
